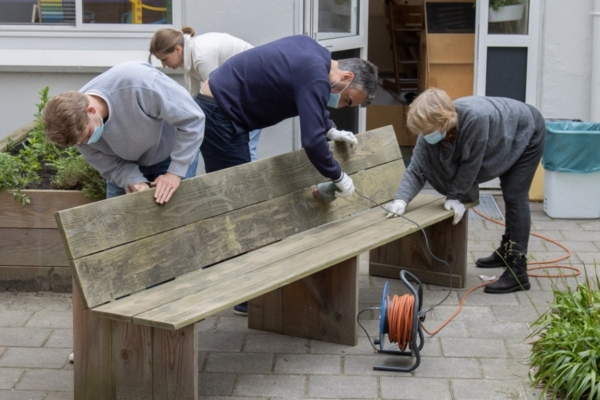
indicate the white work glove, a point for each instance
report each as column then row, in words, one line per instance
column 345, row 185
column 342, row 136
column 457, row 207
column 396, row 208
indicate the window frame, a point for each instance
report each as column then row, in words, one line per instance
column 29, row 47
column 34, row 29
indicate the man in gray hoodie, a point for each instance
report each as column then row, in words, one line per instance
column 135, row 125
column 470, row 141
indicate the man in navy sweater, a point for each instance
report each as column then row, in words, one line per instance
column 260, row 87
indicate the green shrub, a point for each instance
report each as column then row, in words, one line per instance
column 22, row 165
column 566, row 356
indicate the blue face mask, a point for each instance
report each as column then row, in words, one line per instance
column 334, row 99
column 434, row 137
column 97, row 131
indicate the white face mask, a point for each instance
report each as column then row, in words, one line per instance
column 434, row 137
column 334, row 99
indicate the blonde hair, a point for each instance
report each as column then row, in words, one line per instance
column 431, row 110
column 65, row 118
column 165, row 39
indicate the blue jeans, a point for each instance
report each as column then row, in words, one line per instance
column 151, row 173
column 254, row 136
column 226, row 143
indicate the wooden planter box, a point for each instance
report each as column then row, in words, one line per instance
column 32, row 257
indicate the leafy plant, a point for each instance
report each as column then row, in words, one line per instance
column 23, row 164
column 496, row 4
column 566, row 356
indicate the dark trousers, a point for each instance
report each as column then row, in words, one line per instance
column 515, row 184
column 225, row 143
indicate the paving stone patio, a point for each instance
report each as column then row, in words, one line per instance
column 479, row 355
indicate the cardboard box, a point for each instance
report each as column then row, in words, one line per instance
column 395, row 115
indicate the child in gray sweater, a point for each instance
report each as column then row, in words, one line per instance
column 470, row 141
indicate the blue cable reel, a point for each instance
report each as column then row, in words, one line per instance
column 384, row 329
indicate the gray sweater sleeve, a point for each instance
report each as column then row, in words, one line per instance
column 413, row 179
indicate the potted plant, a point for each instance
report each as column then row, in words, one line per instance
column 505, row 10
column 36, row 180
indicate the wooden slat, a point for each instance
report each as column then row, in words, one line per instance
column 40, row 212
column 194, row 282
column 334, row 249
column 262, row 277
column 32, row 247
column 173, row 253
column 112, row 222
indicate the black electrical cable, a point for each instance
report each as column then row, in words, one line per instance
column 426, row 243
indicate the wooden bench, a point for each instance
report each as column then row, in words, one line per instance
column 252, row 232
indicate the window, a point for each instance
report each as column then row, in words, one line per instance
column 83, row 13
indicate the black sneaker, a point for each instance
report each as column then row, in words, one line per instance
column 241, row 309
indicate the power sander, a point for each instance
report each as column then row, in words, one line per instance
column 325, row 192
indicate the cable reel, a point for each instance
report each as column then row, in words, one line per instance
column 399, row 320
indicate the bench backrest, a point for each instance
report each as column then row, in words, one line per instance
column 123, row 245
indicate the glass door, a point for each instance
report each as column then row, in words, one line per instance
column 507, row 49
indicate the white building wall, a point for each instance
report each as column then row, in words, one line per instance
column 22, row 77
column 566, row 58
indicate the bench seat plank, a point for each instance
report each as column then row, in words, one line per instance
column 369, row 229
column 125, row 309
column 175, row 252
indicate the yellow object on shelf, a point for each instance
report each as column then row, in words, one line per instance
column 536, row 192
column 137, row 7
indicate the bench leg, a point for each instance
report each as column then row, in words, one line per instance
column 322, row 306
column 447, row 241
column 92, row 346
column 120, row 360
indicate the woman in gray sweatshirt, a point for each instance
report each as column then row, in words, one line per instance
column 470, row 141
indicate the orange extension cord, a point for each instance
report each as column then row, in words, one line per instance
column 401, row 308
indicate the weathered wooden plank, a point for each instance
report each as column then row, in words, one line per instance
column 175, row 364
column 173, row 253
column 447, row 241
column 17, row 136
column 266, row 312
column 32, row 247
column 92, row 346
column 132, row 361
column 102, row 225
column 40, row 212
column 194, row 282
column 328, row 317
column 35, row 279
column 265, row 277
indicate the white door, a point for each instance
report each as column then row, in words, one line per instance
column 507, row 49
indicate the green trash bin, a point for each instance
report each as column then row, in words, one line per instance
column 571, row 162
